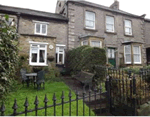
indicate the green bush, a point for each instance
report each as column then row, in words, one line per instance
column 85, row 58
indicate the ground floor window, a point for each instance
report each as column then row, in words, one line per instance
column 137, row 54
column 127, row 54
column 134, row 52
column 60, row 55
column 38, row 53
column 96, row 43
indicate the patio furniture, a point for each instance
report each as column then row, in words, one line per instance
column 85, row 78
column 40, row 79
column 23, row 76
column 31, row 77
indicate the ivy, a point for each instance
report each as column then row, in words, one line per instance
column 8, row 55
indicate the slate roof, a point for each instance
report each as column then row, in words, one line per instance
column 23, row 11
column 103, row 7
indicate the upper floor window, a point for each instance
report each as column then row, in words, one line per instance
column 95, row 43
column 90, row 20
column 84, row 43
column 109, row 24
column 38, row 53
column 137, row 54
column 127, row 54
column 41, row 28
column 128, row 27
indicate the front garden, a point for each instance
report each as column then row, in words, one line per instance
column 50, row 88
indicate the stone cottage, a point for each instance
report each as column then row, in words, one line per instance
column 42, row 34
column 75, row 23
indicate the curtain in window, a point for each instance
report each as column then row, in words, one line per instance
column 34, row 52
column 128, row 53
column 42, row 56
column 137, row 55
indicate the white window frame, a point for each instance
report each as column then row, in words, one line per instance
column 84, row 41
column 138, row 54
column 63, row 53
column 41, row 23
column 89, row 20
column 38, row 46
column 113, row 24
column 130, row 28
column 128, row 53
column 97, row 41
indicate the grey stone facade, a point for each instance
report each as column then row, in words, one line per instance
column 76, row 27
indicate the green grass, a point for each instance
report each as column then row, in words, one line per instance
column 50, row 89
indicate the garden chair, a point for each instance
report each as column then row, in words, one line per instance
column 23, row 76
column 40, row 79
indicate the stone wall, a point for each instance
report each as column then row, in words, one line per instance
column 55, row 28
column 24, row 45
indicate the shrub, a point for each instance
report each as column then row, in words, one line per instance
column 86, row 58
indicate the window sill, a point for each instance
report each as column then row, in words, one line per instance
column 94, row 30
column 38, row 64
column 114, row 33
column 128, row 35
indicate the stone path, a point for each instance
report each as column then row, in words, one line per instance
column 98, row 106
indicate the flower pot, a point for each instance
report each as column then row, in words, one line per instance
column 50, row 58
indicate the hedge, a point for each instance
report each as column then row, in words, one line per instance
column 84, row 58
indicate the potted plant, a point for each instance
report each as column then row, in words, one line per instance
column 37, row 69
column 50, row 58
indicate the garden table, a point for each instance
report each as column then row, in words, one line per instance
column 30, row 76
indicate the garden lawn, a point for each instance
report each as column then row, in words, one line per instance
column 50, row 89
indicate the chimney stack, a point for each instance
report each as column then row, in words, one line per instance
column 115, row 5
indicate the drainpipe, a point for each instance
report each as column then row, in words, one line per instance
column 18, row 18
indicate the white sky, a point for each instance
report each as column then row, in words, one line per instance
column 137, row 7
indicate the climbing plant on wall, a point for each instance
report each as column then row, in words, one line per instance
column 8, row 54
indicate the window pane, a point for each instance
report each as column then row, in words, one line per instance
column 42, row 56
column 37, row 28
column 113, row 53
column 60, row 58
column 61, row 49
column 90, row 24
column 128, row 58
column 34, row 50
column 42, row 46
column 109, row 54
column 109, row 27
column 127, row 23
column 137, row 58
column 85, row 42
column 90, row 16
column 43, row 28
column 34, row 57
column 109, row 20
column 127, row 49
column 95, row 43
column 136, row 50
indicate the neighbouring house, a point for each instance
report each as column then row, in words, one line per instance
column 121, row 33
column 42, row 34
column 75, row 23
